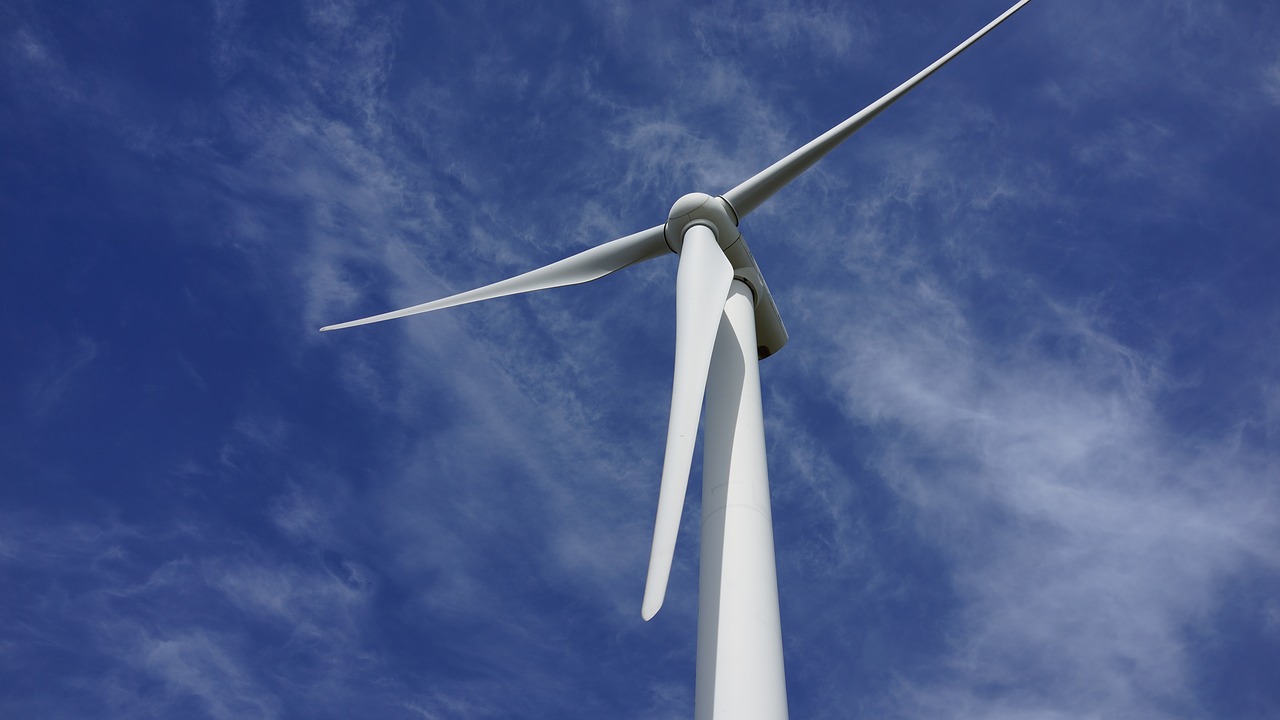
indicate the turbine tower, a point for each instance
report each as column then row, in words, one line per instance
column 726, row 322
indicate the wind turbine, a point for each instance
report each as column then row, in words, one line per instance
column 726, row 322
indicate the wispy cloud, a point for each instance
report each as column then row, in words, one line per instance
column 819, row 34
column 1081, row 536
column 200, row 665
column 183, row 609
column 70, row 358
column 1271, row 83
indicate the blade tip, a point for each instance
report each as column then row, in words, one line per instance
column 650, row 607
column 340, row 326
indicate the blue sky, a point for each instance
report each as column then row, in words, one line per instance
column 1024, row 443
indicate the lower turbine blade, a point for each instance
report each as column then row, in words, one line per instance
column 586, row 266
column 702, row 284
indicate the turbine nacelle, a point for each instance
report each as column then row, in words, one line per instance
column 771, row 334
column 717, row 214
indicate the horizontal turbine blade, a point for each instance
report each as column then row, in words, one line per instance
column 586, row 266
column 751, row 194
column 702, row 286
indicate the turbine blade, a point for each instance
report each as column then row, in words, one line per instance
column 751, row 194
column 702, row 285
column 584, row 267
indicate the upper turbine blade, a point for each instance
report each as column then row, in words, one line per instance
column 751, row 194
column 702, row 285
column 585, row 266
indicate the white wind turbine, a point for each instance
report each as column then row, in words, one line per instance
column 726, row 321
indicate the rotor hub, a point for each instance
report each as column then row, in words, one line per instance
column 701, row 209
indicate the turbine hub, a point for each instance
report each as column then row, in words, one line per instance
column 701, row 209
